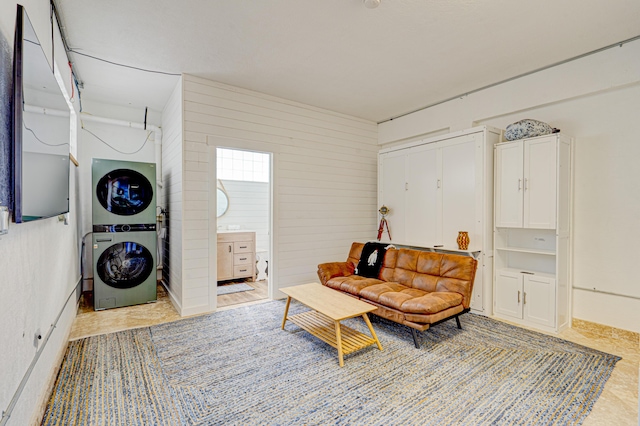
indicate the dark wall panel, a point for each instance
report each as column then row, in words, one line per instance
column 6, row 76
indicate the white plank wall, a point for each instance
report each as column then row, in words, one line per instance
column 171, row 197
column 324, row 178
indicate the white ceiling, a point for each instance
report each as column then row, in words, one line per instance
column 334, row 54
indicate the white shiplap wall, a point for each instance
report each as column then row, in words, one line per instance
column 324, row 180
column 248, row 208
column 172, row 196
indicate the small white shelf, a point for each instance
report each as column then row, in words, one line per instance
column 439, row 248
column 527, row 250
column 528, row 271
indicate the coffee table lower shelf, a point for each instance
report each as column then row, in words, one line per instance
column 324, row 328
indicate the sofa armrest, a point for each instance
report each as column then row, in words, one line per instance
column 326, row 271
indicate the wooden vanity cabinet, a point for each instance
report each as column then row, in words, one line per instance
column 236, row 255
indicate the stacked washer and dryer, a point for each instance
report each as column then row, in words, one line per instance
column 124, row 233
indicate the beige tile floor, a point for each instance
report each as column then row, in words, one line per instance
column 617, row 405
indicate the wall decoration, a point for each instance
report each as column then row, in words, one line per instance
column 6, row 77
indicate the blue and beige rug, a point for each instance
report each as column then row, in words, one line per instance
column 238, row 367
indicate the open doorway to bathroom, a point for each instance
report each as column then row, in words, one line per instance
column 243, row 225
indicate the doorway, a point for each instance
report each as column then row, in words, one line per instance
column 243, row 225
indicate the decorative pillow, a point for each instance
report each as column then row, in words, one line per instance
column 527, row 129
column 371, row 259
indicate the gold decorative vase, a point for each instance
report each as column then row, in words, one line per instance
column 463, row 240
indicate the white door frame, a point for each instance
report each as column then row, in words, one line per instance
column 214, row 142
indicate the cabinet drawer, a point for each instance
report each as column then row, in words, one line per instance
column 243, row 271
column 243, row 247
column 243, row 259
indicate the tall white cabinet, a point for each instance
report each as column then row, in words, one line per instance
column 439, row 186
column 532, row 231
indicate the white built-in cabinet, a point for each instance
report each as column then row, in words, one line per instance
column 437, row 187
column 532, row 231
column 526, row 183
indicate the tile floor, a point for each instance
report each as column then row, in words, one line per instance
column 617, row 405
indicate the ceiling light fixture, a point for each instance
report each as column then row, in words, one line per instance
column 371, row 4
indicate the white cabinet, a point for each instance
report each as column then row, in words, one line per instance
column 532, row 232
column 530, row 298
column 539, row 300
column 423, row 178
column 437, row 187
column 508, row 293
column 526, row 183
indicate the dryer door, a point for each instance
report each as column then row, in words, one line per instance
column 124, row 192
column 125, row 265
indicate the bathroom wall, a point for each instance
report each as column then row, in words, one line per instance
column 248, row 208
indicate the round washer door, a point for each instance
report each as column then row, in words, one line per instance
column 125, row 265
column 124, row 192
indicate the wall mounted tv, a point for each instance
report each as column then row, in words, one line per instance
column 41, row 131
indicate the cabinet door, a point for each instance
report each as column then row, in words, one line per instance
column 459, row 192
column 509, row 185
column 540, row 183
column 540, row 300
column 392, row 186
column 508, row 295
column 422, row 205
column 225, row 261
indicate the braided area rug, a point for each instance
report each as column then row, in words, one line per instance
column 237, row 367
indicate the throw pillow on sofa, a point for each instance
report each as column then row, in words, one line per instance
column 371, row 260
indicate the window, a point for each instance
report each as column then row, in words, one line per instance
column 234, row 164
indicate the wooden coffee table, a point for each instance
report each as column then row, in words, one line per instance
column 329, row 308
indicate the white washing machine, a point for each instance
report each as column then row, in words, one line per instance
column 124, row 265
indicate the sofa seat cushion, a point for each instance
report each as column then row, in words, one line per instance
column 410, row 300
column 432, row 303
column 352, row 284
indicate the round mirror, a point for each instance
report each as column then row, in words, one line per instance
column 223, row 202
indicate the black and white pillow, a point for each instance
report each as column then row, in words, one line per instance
column 371, row 259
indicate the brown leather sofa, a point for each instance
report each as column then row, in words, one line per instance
column 414, row 288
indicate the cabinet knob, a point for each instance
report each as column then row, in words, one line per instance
column 229, row 248
column 519, row 184
column 518, row 296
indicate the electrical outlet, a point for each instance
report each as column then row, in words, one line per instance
column 4, row 220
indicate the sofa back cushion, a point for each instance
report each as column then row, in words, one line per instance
column 429, row 271
column 354, row 254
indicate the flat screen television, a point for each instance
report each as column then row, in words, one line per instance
column 41, row 131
